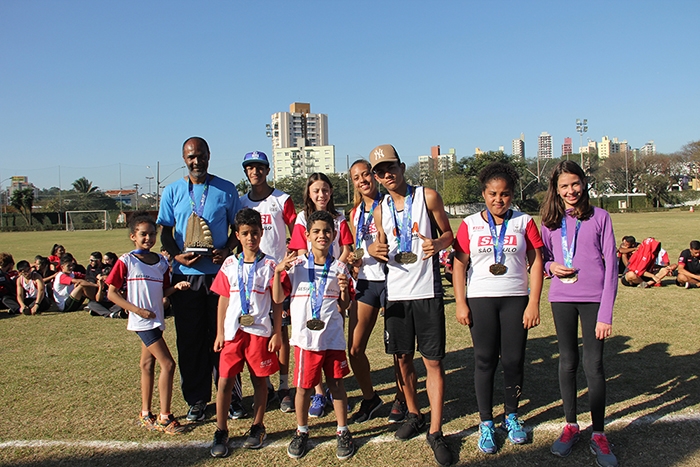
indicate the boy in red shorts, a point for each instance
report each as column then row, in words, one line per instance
column 244, row 329
column 320, row 294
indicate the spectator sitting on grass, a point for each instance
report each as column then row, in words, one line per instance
column 8, row 291
column 689, row 266
column 55, row 257
column 642, row 269
column 109, row 259
column 628, row 246
column 94, row 267
column 70, row 292
column 31, row 292
column 101, row 305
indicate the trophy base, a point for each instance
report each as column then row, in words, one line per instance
column 199, row 251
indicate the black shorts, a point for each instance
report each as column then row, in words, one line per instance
column 72, row 304
column 373, row 293
column 627, row 283
column 408, row 321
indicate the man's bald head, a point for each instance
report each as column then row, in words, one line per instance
column 197, row 140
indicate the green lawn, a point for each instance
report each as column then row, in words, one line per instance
column 68, row 381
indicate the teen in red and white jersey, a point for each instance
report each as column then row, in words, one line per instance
column 277, row 212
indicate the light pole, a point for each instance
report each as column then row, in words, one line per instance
column 581, row 128
column 136, row 186
column 268, row 133
column 627, row 181
column 159, row 181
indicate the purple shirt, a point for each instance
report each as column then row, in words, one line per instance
column 595, row 259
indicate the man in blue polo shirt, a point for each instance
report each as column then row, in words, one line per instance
column 214, row 200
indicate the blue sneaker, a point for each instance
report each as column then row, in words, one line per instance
column 329, row 401
column 318, row 406
column 514, row 427
column 601, row 448
column 486, row 442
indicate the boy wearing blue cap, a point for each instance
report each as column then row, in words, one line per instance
column 278, row 213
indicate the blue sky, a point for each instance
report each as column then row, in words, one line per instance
column 103, row 89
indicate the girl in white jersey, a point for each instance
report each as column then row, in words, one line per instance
column 147, row 283
column 498, row 307
column 318, row 196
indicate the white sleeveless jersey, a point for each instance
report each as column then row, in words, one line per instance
column 144, row 289
column 276, row 211
column 421, row 279
column 371, row 270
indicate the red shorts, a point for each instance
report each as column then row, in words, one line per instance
column 250, row 349
column 309, row 363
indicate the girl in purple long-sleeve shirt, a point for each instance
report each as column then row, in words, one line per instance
column 580, row 255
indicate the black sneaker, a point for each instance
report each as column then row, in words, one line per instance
column 442, row 453
column 197, row 412
column 286, row 400
column 411, row 427
column 367, row 409
column 297, row 448
column 346, row 448
column 398, row 412
column 271, row 397
column 236, row 410
column 219, row 448
column 256, row 437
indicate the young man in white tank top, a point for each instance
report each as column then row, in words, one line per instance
column 413, row 228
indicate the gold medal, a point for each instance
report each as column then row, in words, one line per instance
column 406, row 258
column 359, row 253
column 315, row 324
column 246, row 320
column 498, row 269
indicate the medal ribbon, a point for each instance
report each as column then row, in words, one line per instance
column 140, row 252
column 246, row 289
column 316, row 293
column 198, row 208
column 404, row 237
column 568, row 253
column 359, row 233
column 498, row 240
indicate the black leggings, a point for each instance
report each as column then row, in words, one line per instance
column 566, row 317
column 497, row 329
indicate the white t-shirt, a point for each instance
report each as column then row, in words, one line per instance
column 226, row 285
column 332, row 336
column 62, row 287
column 145, row 284
column 342, row 237
column 277, row 211
column 474, row 239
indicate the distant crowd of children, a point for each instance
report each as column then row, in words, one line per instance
column 385, row 256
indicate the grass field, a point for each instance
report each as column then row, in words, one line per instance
column 69, row 390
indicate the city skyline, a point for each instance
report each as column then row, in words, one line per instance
column 103, row 90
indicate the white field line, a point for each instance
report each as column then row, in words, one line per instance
column 384, row 438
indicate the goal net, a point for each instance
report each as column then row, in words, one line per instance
column 88, row 220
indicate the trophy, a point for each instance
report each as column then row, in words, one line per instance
column 198, row 237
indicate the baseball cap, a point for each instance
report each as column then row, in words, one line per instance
column 383, row 153
column 255, row 157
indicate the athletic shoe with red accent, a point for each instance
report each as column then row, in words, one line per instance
column 170, row 426
column 562, row 447
column 148, row 421
column 601, row 448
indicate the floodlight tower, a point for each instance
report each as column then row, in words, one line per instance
column 581, row 128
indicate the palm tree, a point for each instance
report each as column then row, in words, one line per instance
column 83, row 185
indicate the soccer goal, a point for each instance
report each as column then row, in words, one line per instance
column 88, row 220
